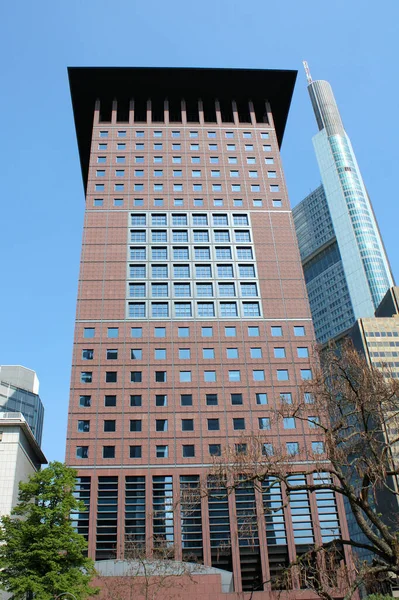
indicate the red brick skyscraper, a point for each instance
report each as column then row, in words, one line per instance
column 192, row 319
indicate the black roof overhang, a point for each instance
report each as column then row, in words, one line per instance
column 87, row 84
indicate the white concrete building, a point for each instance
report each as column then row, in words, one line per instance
column 20, row 457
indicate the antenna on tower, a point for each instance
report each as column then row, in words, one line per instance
column 307, row 71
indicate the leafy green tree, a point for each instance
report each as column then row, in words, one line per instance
column 41, row 555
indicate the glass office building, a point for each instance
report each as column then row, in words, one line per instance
column 346, row 250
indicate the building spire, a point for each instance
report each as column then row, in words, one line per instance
column 307, row 71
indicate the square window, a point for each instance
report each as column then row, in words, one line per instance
column 183, row 332
column 211, row 399
column 292, row 448
column 258, row 203
column 208, row 353
column 109, row 425
column 306, row 374
column 176, row 146
column 255, row 187
column 161, row 400
column 236, row 187
column 313, row 422
column 135, row 400
column 136, row 376
column 112, row 354
column 289, row 423
column 136, row 354
column 87, row 354
column 103, row 134
column 264, row 423
column 188, row 451
column 113, row 332
column 299, row 331
column 230, row 146
column 157, row 134
column 160, row 353
column 232, row 352
column 230, row 332
column 135, row 425
column 136, row 332
column 187, row 424
column 241, row 448
column 84, row 426
column 274, row 188
column 160, row 332
column 161, row 425
column 264, row 135
column 186, row 400
column 206, row 331
column 234, row 376
column 209, row 376
column 185, row 376
column 122, row 134
column 282, row 375
column 256, row 352
column 213, row 425
column 175, row 134
column 236, row 399
column 184, row 353
column 109, row 401
column 198, row 202
column 261, row 398
column 88, row 332
column 135, row 451
column 138, row 202
column 162, row 451
column 277, row 331
column 82, row 452
column 86, row 377
column 253, row 331
column 279, row 352
column 160, row 376
column 98, row 202
column 99, row 187
column 84, row 401
column 302, row 352
column 258, row 375
column 139, row 146
column 178, row 202
column 108, row 451
column 239, row 424
column 318, row 447
column 237, row 202
column 193, row 134
column 215, row 450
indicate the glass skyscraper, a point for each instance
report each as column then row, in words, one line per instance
column 346, row 269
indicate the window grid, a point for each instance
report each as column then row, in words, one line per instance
column 208, row 270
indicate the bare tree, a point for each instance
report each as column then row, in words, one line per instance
column 352, row 411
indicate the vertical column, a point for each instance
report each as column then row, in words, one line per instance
column 218, row 113
column 96, row 115
column 235, row 113
column 148, row 118
column 131, row 112
column 183, row 112
column 114, row 111
column 252, row 113
column 262, row 540
column 201, row 112
column 166, row 111
column 269, row 114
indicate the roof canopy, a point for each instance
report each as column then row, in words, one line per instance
column 88, row 84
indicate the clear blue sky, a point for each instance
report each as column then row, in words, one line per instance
column 353, row 44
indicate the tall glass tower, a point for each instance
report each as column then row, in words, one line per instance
column 355, row 236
